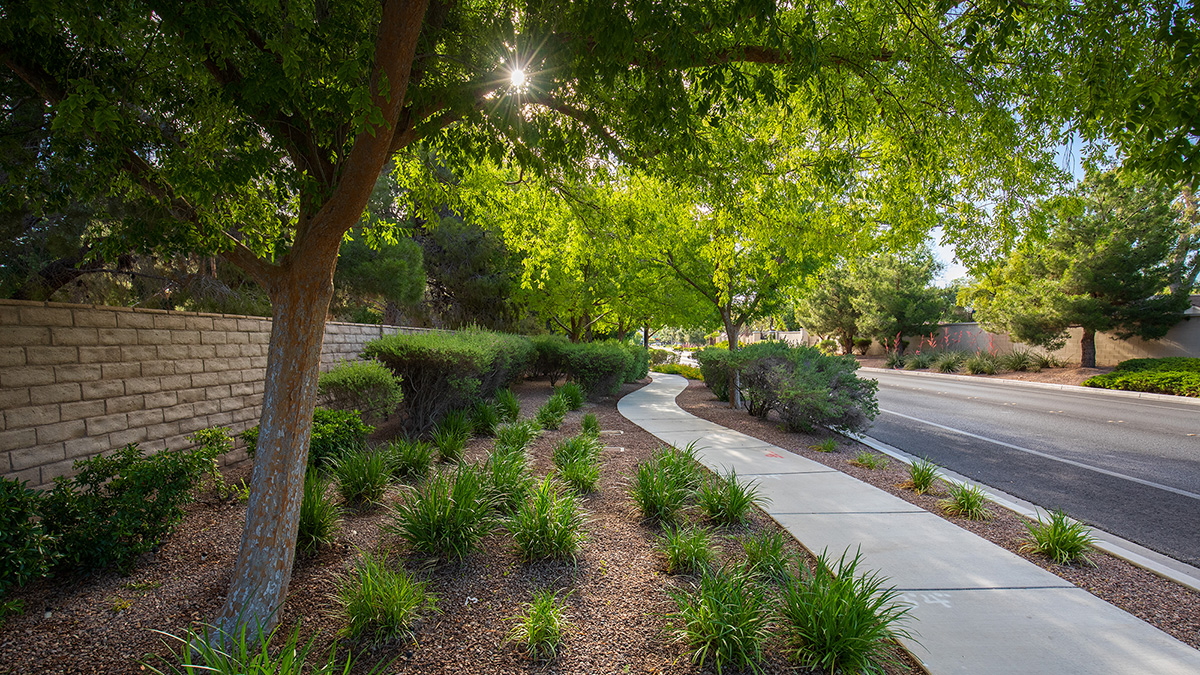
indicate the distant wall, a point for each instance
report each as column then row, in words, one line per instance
column 1182, row 340
column 80, row 380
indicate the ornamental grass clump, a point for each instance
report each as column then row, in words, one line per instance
column 577, row 460
column 725, row 500
column 838, row 620
column 364, row 476
column 869, row 460
column 686, row 550
column 766, row 557
column 1019, row 360
column 508, row 405
column 548, row 524
column 540, row 628
column 724, row 622
column 1062, row 540
column 920, row 361
column 509, row 482
column 590, row 425
column 320, row 515
column 381, row 603
column 662, row 485
column 212, row 651
column 572, row 394
column 451, row 435
column 550, row 416
column 981, row 363
column 516, row 435
column 827, row 445
column 485, row 415
column 410, row 459
column 448, row 516
column 922, row 474
column 949, row 362
column 966, row 501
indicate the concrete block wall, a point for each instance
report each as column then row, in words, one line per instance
column 80, row 380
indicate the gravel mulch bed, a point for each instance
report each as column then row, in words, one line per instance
column 1158, row 601
column 617, row 588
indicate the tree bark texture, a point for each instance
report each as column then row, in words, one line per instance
column 1087, row 349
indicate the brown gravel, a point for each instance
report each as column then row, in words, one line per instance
column 617, row 590
column 1071, row 375
column 1158, row 601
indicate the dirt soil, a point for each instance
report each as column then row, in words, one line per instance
column 617, row 588
column 1162, row 603
column 1074, row 376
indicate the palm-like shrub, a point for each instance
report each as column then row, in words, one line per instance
column 320, row 516
column 381, row 602
column 726, row 500
column 724, row 622
column 838, row 620
column 549, row 524
column 1062, row 540
column 448, row 516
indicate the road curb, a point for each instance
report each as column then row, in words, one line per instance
column 1135, row 554
column 1119, row 393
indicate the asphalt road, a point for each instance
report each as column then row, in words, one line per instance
column 1127, row 466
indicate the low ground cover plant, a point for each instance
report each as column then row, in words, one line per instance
column 686, row 550
column 364, row 476
column 577, row 460
column 448, row 516
column 572, row 394
column 409, row 459
column 334, row 433
column 1059, row 538
column 451, row 435
column 766, row 557
column 509, row 482
column 550, row 415
column 869, row 460
column 1178, row 376
column 381, row 603
column 590, row 425
column 508, row 405
column 839, row 620
column 366, row 386
column 548, row 524
column 540, row 628
column 320, row 515
column 516, row 434
column 827, row 445
column 662, row 486
column 725, row 621
column 485, row 415
column 967, row 501
column 726, row 500
column 690, row 372
column 922, row 474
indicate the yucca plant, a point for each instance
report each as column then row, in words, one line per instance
column 484, row 418
column 980, row 363
column 686, row 549
column 381, row 602
column 1017, row 360
column 448, row 516
column 590, row 425
column 1043, row 361
column 894, row 360
column 724, row 622
column 364, row 476
column 572, row 395
column 1062, row 540
column 922, row 474
column 869, row 460
column 320, row 515
column 508, row 479
column 540, row 628
column 548, row 524
column 508, row 405
column 766, row 557
column 838, row 620
column 726, row 500
column 919, row 361
column 949, row 362
column 966, row 501
column 410, row 459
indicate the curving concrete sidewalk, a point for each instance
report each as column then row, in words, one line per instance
column 979, row 609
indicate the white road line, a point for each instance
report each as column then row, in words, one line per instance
column 1081, row 465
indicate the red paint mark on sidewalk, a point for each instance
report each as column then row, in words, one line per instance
column 774, row 454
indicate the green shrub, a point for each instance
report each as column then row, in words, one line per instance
column 448, row 516
column 760, row 366
column 550, row 358
column 119, row 506
column 449, row 371
column 541, row 627
column 599, row 367
column 725, row 621
column 766, row 557
column 690, row 372
column 508, row 405
column 949, row 362
column 662, row 485
column 451, row 435
column 862, row 346
column 366, row 386
column 922, row 474
column 662, row 357
column 410, row 459
column 364, row 476
column 590, row 425
column 581, row 447
column 320, row 516
column 549, row 524
column 715, row 366
column 967, row 501
column 686, row 550
column 381, row 602
column 813, row 389
column 211, row 651
column 550, row 416
column 334, row 433
column 1179, row 376
column 837, row 620
column 1062, row 540
column 508, row 479
column 572, row 394
column 1044, row 361
column 1018, row 360
column 639, row 362
column 485, row 415
column 828, row 346
column 516, row 435
column 981, row 363
column 726, row 500
column 577, row 460
column 26, row 550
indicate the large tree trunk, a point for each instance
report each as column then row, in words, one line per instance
column 300, row 298
column 1087, row 349
column 735, row 380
